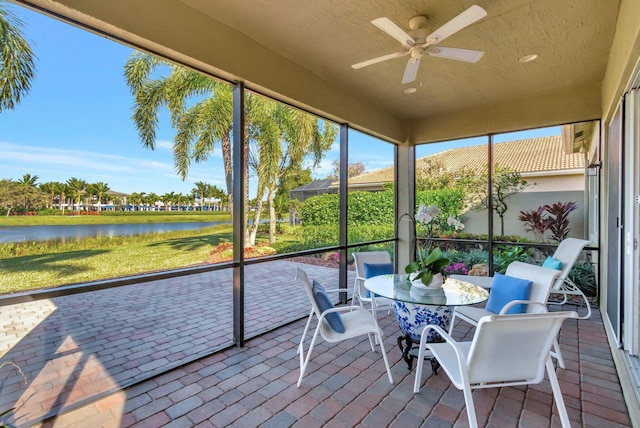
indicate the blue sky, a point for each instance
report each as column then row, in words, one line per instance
column 75, row 121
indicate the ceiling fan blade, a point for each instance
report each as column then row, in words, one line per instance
column 411, row 71
column 466, row 55
column 389, row 27
column 466, row 18
column 379, row 59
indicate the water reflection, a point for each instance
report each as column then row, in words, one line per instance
column 63, row 232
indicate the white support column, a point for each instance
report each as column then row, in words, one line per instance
column 405, row 203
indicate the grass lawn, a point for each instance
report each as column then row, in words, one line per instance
column 145, row 253
column 37, row 266
column 113, row 218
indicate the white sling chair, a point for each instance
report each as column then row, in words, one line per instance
column 542, row 278
column 567, row 253
column 360, row 295
column 506, row 350
column 356, row 320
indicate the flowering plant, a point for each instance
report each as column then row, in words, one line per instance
column 457, row 268
column 429, row 261
column 428, row 264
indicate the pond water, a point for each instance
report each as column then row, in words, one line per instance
column 63, row 232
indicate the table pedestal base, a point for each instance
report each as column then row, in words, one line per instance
column 410, row 352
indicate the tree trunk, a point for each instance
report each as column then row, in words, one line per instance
column 227, row 159
column 272, row 215
column 251, row 238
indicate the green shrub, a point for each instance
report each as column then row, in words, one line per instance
column 365, row 233
column 469, row 258
column 504, row 255
column 321, row 210
column 50, row 211
column 583, row 275
column 370, row 208
column 318, row 236
column 376, row 208
column 450, row 201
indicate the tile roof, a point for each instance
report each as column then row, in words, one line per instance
column 526, row 156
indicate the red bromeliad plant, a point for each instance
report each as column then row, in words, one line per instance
column 554, row 218
column 558, row 220
column 534, row 221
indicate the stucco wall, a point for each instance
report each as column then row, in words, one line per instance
column 554, row 183
column 476, row 221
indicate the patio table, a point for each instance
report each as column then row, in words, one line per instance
column 416, row 308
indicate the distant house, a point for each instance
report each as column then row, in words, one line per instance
column 552, row 171
column 315, row 188
column 542, row 162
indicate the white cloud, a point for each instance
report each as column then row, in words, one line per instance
column 121, row 173
column 164, row 144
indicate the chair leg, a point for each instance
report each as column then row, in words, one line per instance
column 453, row 320
column 419, row 364
column 418, row 379
column 304, row 332
column 305, row 361
column 557, row 394
column 371, row 341
column 570, row 288
column 384, row 357
column 471, row 410
column 557, row 354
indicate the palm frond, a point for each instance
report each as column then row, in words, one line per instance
column 17, row 61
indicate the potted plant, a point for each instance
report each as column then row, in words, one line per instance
column 427, row 267
column 429, row 261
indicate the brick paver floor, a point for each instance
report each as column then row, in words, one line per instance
column 76, row 348
column 253, row 386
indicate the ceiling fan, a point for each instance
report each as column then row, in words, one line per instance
column 419, row 41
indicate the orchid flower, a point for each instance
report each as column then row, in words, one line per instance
column 457, row 224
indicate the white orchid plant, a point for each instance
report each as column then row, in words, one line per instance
column 429, row 262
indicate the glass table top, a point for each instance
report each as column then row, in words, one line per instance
column 454, row 291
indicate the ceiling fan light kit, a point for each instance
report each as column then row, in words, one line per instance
column 418, row 41
column 528, row 58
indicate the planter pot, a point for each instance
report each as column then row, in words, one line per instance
column 412, row 318
column 436, row 282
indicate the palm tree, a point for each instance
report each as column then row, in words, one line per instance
column 152, row 200
column 27, row 183
column 200, row 191
column 199, row 126
column 99, row 189
column 29, row 180
column 61, row 189
column 202, row 123
column 17, row 65
column 49, row 188
column 167, row 200
column 206, row 121
column 135, row 199
column 77, row 188
column 214, row 191
column 283, row 141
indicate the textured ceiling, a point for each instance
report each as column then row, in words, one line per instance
column 301, row 52
column 572, row 39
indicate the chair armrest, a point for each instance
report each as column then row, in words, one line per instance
column 513, row 303
column 347, row 308
column 460, row 355
column 567, row 287
column 447, row 338
column 337, row 290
